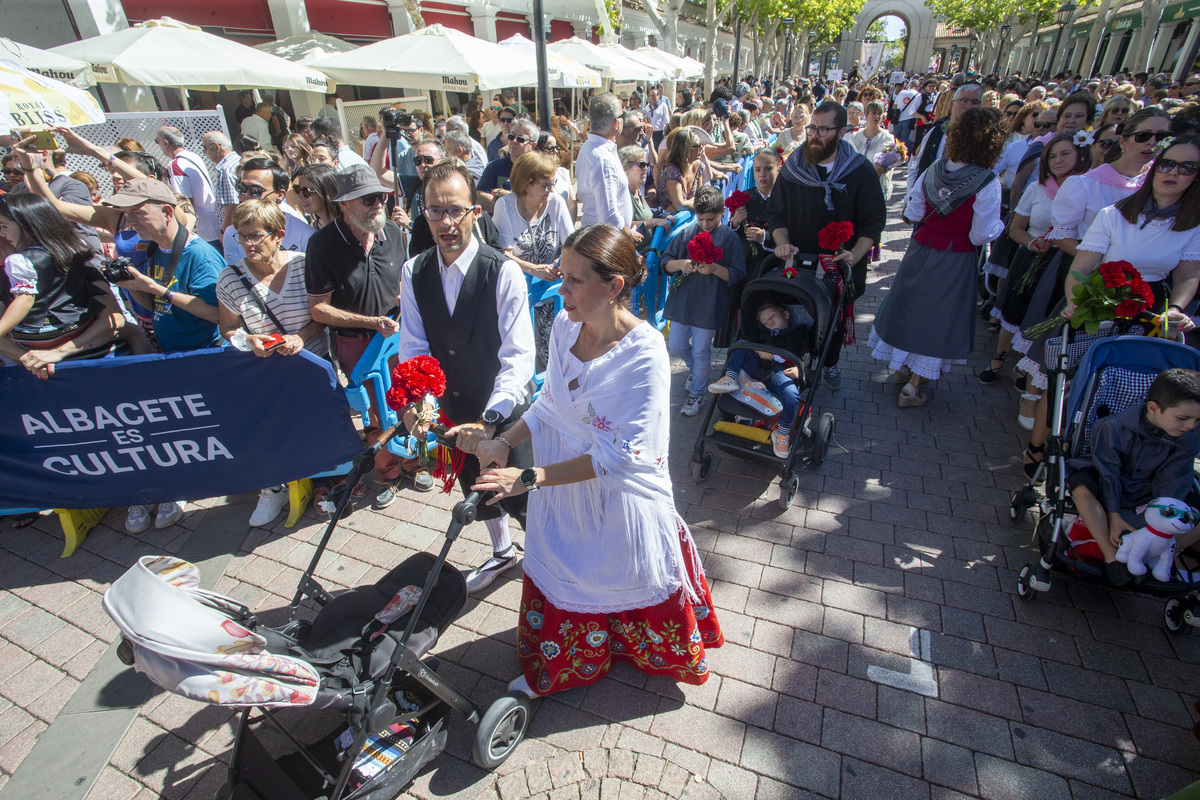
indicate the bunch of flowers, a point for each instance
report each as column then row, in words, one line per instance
column 1115, row 290
column 702, row 251
column 891, row 155
column 834, row 235
column 737, row 200
column 416, row 384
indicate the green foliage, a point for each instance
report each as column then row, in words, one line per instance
column 983, row 15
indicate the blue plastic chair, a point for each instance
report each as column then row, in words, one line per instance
column 654, row 290
column 541, row 291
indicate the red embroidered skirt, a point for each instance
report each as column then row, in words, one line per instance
column 563, row 649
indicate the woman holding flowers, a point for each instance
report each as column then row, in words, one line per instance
column 611, row 571
column 955, row 205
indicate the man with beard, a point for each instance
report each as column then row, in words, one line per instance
column 826, row 181
column 352, row 277
column 467, row 305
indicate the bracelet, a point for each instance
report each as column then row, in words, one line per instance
column 1176, row 307
column 169, row 296
column 505, row 441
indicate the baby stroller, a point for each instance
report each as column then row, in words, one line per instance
column 1113, row 374
column 808, row 298
column 361, row 657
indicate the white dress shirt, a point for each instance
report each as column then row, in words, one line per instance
column 602, row 187
column 517, row 347
column 660, row 115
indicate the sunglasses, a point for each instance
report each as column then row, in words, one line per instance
column 1141, row 137
column 251, row 191
column 512, row 137
column 370, row 200
column 641, row 164
column 1104, row 144
column 428, row 161
column 550, row 149
column 1187, row 517
column 306, row 191
column 506, row 120
column 1166, row 165
column 11, row 171
column 1010, row 113
column 1043, row 126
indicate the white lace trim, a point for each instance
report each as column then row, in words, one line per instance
column 995, row 269
column 925, row 366
column 1033, row 369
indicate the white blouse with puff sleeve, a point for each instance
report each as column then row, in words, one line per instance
column 1153, row 248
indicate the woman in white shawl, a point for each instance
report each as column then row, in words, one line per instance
column 610, row 567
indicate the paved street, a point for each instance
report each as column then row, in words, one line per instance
column 899, row 543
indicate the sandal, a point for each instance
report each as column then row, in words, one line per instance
column 913, row 399
column 1020, row 380
column 23, row 520
column 1034, row 456
column 902, row 375
column 988, row 376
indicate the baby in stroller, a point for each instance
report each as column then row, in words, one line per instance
column 1146, row 451
column 775, row 326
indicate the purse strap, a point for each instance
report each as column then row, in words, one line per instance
column 261, row 304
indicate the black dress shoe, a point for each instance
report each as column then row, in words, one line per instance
column 1118, row 573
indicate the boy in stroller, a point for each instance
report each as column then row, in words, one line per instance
column 777, row 328
column 1143, row 452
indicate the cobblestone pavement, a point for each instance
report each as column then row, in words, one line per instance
column 900, row 538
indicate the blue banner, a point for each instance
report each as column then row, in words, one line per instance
column 150, row 429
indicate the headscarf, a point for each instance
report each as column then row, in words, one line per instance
column 798, row 170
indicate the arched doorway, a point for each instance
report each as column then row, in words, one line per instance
column 918, row 24
column 890, row 31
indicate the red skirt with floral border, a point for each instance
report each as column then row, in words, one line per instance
column 563, row 649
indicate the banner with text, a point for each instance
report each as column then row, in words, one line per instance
column 149, row 429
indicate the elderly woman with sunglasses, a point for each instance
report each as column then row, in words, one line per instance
column 533, row 220
column 633, row 161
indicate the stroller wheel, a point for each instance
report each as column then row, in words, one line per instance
column 702, row 467
column 1174, row 617
column 501, row 730
column 1025, row 589
column 821, row 439
column 789, row 488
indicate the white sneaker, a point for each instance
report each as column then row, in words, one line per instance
column 724, row 386
column 692, row 407
column 270, row 503
column 168, row 514
column 138, row 519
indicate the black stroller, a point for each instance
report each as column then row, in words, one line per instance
column 808, row 298
column 1112, row 374
column 360, row 657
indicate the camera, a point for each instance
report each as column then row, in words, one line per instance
column 393, row 120
column 116, row 270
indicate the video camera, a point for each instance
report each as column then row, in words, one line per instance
column 393, row 120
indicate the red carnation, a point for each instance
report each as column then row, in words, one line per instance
column 737, row 200
column 1128, row 309
column 834, row 235
column 702, row 250
column 789, row 272
column 413, row 379
column 1113, row 275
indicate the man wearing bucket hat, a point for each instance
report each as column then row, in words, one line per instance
column 179, row 285
column 353, row 277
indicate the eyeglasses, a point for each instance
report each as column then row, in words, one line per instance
column 428, row 161
column 547, row 185
column 455, row 214
column 1043, row 126
column 1166, row 165
column 369, row 200
column 550, row 148
column 821, row 130
column 1104, row 144
column 252, row 191
column 1141, row 137
column 253, row 238
column 512, row 137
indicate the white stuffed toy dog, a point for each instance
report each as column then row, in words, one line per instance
column 1154, row 544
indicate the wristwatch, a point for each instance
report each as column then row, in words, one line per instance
column 493, row 418
column 529, row 479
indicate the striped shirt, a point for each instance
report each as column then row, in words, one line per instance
column 290, row 306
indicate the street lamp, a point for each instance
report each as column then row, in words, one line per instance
column 1005, row 30
column 808, row 43
column 1062, row 17
column 788, row 23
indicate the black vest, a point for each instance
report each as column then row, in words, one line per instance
column 933, row 140
column 63, row 299
column 467, row 345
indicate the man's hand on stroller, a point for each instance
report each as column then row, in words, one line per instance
column 468, row 437
column 492, row 453
column 786, row 251
column 1117, row 527
column 504, row 482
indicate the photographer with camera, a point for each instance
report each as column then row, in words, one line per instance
column 401, row 132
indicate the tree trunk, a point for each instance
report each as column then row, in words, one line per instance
column 1103, row 15
column 413, row 7
column 666, row 23
column 607, row 35
column 1151, row 10
column 769, row 38
column 712, row 19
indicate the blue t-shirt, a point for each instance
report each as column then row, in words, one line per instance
column 702, row 301
column 196, row 274
column 495, row 175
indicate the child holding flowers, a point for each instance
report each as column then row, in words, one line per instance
column 705, row 258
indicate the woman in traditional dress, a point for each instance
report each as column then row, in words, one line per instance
column 926, row 323
column 611, row 571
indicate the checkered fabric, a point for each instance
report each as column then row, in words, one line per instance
column 1118, row 390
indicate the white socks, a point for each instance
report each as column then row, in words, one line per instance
column 498, row 530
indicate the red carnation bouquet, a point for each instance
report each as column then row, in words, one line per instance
column 737, row 200
column 1114, row 290
column 702, row 251
column 833, row 237
column 417, row 383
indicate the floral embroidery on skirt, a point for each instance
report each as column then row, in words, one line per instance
column 563, row 649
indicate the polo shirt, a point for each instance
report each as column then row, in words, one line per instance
column 359, row 282
column 495, row 175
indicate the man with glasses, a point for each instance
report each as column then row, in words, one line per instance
column 969, row 95
column 430, row 152
column 602, row 186
column 505, row 118
column 467, row 305
column 826, row 180
column 493, row 183
column 353, row 277
column 190, row 178
column 263, row 179
column 219, row 151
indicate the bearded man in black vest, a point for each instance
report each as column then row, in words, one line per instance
column 467, row 305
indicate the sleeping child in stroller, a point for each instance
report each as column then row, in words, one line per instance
column 777, row 328
column 1146, row 451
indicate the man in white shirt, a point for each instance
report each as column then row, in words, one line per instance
column 488, row 360
column 909, row 104
column 263, row 179
column 190, row 178
column 603, row 188
column 256, row 125
column 219, row 150
column 659, row 108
